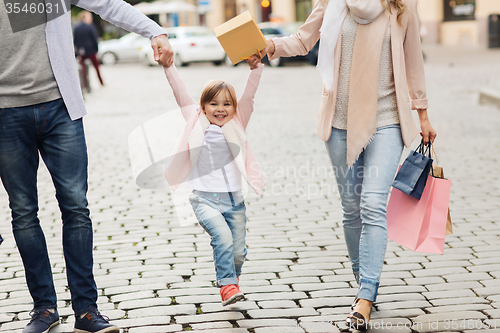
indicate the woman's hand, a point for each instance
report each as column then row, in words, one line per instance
column 270, row 48
column 428, row 132
column 253, row 61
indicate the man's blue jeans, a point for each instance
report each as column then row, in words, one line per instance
column 363, row 193
column 223, row 218
column 47, row 129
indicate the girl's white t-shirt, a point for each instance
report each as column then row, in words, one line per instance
column 215, row 170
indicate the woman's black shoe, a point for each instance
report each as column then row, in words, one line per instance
column 356, row 321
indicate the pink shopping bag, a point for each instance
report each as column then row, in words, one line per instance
column 420, row 225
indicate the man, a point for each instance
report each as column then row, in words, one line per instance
column 41, row 110
column 86, row 45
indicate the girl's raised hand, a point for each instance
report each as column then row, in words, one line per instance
column 253, row 61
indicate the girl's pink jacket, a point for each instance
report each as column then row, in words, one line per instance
column 185, row 154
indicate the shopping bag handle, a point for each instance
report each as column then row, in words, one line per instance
column 420, row 148
column 435, row 155
column 258, row 52
column 427, row 150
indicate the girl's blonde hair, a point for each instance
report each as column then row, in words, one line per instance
column 400, row 6
column 213, row 88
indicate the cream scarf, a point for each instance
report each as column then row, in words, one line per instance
column 363, row 81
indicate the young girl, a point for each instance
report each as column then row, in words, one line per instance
column 212, row 156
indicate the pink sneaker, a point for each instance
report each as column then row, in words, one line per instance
column 230, row 294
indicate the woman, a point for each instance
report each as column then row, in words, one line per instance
column 371, row 63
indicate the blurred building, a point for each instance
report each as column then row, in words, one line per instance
column 451, row 22
column 459, row 22
column 261, row 10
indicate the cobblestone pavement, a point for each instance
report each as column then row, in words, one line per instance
column 155, row 276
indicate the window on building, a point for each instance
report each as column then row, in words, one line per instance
column 459, row 10
column 266, row 8
column 302, row 9
column 229, row 9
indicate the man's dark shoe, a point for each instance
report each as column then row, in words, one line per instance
column 94, row 322
column 42, row 321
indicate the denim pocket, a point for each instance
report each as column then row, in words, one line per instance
column 238, row 199
column 194, row 198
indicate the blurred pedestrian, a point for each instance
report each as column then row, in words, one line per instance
column 371, row 63
column 213, row 158
column 86, row 45
column 41, row 110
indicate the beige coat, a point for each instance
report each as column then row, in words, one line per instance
column 408, row 66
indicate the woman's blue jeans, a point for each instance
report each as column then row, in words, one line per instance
column 47, row 129
column 364, row 189
column 223, row 217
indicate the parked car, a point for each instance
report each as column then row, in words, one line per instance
column 190, row 44
column 126, row 48
column 272, row 30
column 292, row 28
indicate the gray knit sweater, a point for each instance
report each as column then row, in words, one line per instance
column 59, row 40
column 387, row 112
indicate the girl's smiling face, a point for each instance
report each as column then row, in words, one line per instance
column 220, row 109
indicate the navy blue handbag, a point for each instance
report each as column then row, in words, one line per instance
column 412, row 176
column 1, row 240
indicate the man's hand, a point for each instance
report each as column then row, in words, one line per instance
column 163, row 53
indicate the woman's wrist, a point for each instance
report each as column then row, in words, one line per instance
column 271, row 47
column 422, row 115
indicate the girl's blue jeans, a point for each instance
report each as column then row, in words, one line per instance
column 222, row 215
column 364, row 189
